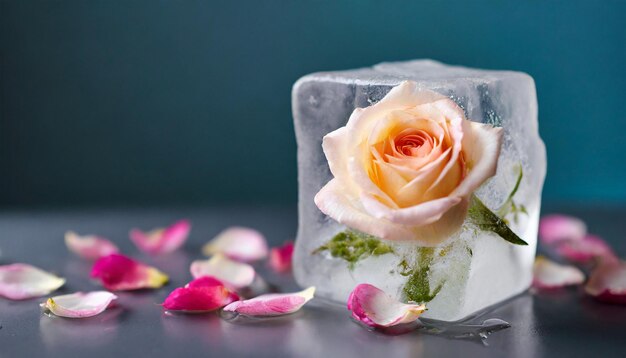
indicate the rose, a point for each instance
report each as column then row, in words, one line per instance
column 405, row 168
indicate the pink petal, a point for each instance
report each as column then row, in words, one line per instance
column 373, row 307
column 89, row 247
column 586, row 250
column 209, row 281
column 280, row 257
column 161, row 241
column 79, row 304
column 608, row 282
column 557, row 227
column 274, row 304
column 22, row 281
column 238, row 243
column 200, row 295
column 548, row 274
column 118, row 272
column 234, row 274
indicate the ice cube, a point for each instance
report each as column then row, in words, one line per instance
column 472, row 270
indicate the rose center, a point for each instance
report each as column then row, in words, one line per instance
column 414, row 144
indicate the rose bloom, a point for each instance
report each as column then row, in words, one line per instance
column 405, row 168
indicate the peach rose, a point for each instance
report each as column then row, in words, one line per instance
column 405, row 168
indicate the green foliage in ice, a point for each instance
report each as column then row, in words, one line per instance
column 417, row 287
column 353, row 246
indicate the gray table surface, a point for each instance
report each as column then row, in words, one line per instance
column 559, row 324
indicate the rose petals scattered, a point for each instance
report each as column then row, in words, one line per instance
column 204, row 294
column 607, row 283
column 373, row 307
column 22, row 281
column 89, row 247
column 586, row 250
column 118, row 272
column 161, row 241
column 234, row 274
column 238, row 243
column 273, row 304
column 79, row 304
column 557, row 227
column 280, row 257
column 548, row 274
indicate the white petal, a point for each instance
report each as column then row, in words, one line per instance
column 234, row 274
column 274, row 304
column 79, row 304
column 22, row 281
column 549, row 274
column 608, row 282
column 238, row 243
column 481, row 148
column 89, row 247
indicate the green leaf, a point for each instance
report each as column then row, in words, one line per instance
column 480, row 215
column 353, row 246
column 509, row 206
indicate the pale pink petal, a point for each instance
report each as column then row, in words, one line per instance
column 118, row 272
column 238, row 243
column 274, row 304
column 280, row 257
column 607, row 282
column 548, row 274
column 161, row 241
column 557, row 227
column 89, row 247
column 481, row 150
column 586, row 250
column 234, row 274
column 373, row 307
column 22, row 281
column 79, row 304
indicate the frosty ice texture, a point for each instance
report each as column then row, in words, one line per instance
column 474, row 269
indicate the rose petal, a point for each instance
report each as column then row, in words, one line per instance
column 280, row 257
column 161, row 241
column 234, row 274
column 608, row 282
column 118, row 272
column 588, row 249
column 79, row 304
column 373, row 307
column 548, row 274
column 89, row 247
column 273, row 304
column 557, row 227
column 238, row 243
column 201, row 295
column 22, row 281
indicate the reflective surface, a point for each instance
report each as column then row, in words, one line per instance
column 560, row 323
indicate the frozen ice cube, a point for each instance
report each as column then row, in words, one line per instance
column 472, row 270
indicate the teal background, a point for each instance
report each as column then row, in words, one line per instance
column 152, row 102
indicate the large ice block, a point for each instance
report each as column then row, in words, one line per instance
column 473, row 269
